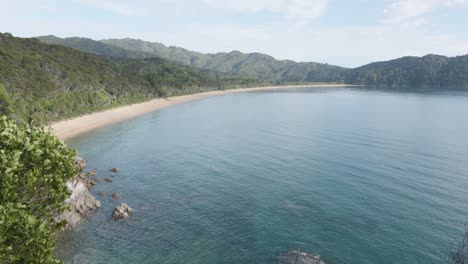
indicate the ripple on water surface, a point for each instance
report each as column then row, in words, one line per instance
column 355, row 175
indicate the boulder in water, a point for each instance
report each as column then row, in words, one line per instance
column 122, row 212
column 116, row 196
column 115, row 169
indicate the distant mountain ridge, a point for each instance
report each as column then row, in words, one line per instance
column 95, row 47
column 429, row 70
column 252, row 65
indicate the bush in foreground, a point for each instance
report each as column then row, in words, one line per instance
column 34, row 169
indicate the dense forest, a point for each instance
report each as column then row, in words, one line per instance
column 45, row 82
column 253, row 65
column 427, row 71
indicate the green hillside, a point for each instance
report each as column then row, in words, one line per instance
column 95, row 47
column 253, row 65
column 51, row 82
column 427, row 71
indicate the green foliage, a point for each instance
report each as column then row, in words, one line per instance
column 95, row 47
column 34, row 169
column 5, row 101
column 254, row 65
column 427, row 71
column 51, row 82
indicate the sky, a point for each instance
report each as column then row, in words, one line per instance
column 341, row 32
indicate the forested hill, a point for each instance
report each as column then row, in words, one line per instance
column 427, row 71
column 51, row 82
column 96, row 47
column 253, row 65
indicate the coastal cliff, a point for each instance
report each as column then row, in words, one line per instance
column 81, row 202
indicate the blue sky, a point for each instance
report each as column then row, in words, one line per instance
column 341, row 32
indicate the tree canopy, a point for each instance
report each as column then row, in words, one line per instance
column 34, row 169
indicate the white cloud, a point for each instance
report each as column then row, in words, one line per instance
column 306, row 9
column 293, row 9
column 412, row 12
column 117, row 7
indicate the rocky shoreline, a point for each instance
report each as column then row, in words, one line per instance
column 81, row 202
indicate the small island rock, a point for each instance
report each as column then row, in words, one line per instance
column 115, row 169
column 122, row 212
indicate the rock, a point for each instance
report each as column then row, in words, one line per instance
column 116, row 196
column 115, row 169
column 91, row 174
column 90, row 183
column 81, row 202
column 298, row 257
column 101, row 193
column 80, row 162
column 122, row 212
column 108, row 180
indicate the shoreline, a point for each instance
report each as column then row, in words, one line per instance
column 67, row 129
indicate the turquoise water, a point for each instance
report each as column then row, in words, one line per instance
column 355, row 175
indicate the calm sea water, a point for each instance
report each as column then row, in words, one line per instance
column 355, row 175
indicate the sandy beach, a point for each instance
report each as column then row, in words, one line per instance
column 69, row 128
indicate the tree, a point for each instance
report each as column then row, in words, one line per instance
column 34, row 169
column 5, row 101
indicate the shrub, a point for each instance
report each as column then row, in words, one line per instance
column 34, row 169
column 5, row 101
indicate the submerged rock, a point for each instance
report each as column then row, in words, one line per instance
column 116, row 196
column 122, row 212
column 298, row 257
column 108, row 180
column 81, row 202
column 115, row 169
column 91, row 174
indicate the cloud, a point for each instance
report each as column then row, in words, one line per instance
column 412, row 12
column 117, row 7
column 292, row 9
column 306, row 9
